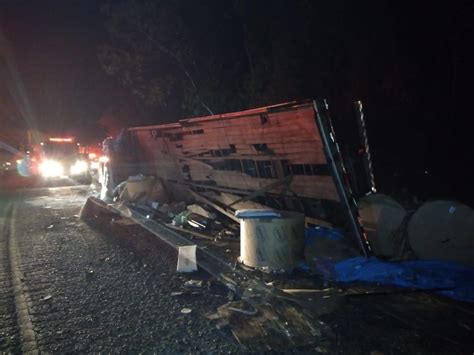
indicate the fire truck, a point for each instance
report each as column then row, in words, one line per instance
column 58, row 157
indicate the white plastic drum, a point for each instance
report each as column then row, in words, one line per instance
column 381, row 215
column 443, row 230
column 276, row 243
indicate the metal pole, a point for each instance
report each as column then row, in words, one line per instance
column 365, row 145
column 334, row 157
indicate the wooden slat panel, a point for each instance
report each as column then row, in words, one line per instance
column 290, row 135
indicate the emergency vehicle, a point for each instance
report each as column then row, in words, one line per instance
column 59, row 157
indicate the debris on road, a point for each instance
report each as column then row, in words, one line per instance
column 45, row 298
column 193, row 283
column 124, row 221
column 186, row 310
column 199, row 210
column 187, row 259
column 265, row 318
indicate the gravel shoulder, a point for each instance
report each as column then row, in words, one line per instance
column 91, row 294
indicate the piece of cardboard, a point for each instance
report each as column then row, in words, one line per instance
column 187, row 259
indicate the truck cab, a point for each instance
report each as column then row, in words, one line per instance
column 59, row 157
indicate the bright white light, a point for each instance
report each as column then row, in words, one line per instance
column 60, row 139
column 51, row 168
column 79, row 167
column 104, row 159
column 95, row 165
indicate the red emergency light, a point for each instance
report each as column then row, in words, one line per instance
column 65, row 140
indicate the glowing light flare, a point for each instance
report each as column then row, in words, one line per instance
column 104, row 159
column 51, row 168
column 80, row 167
column 92, row 155
column 63, row 140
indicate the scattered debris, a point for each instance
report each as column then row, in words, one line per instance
column 123, row 222
column 50, row 226
column 164, row 209
column 178, row 207
column 196, row 234
column 124, row 210
column 199, row 210
column 175, row 294
column 186, row 310
column 198, row 222
column 45, row 298
column 321, row 350
column 243, row 311
column 193, row 283
column 266, row 319
column 137, row 188
column 181, row 219
column 187, row 259
column 230, row 287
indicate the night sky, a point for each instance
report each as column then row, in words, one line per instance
column 53, row 47
column 409, row 62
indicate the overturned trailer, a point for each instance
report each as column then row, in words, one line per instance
column 283, row 156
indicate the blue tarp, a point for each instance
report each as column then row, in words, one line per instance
column 312, row 234
column 445, row 278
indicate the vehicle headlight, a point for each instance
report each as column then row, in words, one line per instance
column 79, row 167
column 51, row 168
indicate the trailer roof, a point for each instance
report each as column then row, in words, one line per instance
column 266, row 109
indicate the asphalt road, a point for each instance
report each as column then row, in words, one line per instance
column 84, row 292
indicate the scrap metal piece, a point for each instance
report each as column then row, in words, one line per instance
column 370, row 179
column 339, row 173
